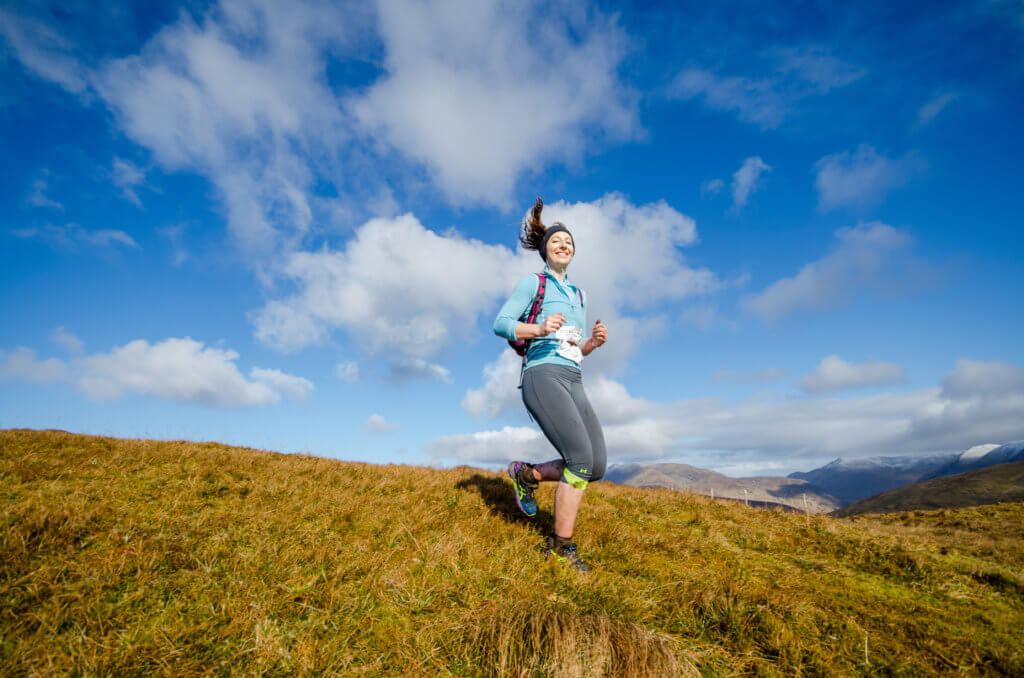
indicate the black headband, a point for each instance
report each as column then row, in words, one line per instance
column 555, row 228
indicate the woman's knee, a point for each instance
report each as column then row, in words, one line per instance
column 579, row 469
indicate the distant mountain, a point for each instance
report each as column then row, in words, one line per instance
column 1002, row 482
column 982, row 456
column 854, row 479
column 764, row 490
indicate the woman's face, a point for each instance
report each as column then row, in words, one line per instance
column 560, row 249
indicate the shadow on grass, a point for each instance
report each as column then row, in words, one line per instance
column 497, row 494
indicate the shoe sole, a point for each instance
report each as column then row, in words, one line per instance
column 512, row 471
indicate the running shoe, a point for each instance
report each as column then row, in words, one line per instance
column 523, row 491
column 566, row 555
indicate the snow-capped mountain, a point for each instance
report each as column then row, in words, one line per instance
column 983, row 456
column 853, row 479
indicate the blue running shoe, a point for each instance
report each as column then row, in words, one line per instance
column 566, row 556
column 523, row 491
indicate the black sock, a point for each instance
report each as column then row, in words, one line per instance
column 561, row 543
column 526, row 476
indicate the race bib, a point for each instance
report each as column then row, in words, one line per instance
column 569, row 338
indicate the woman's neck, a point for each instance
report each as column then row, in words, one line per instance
column 558, row 272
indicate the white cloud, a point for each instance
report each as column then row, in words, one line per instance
column 69, row 341
column 38, row 197
column 796, row 74
column 378, row 424
column 493, row 446
column 933, row 107
column 766, row 375
column 744, row 180
column 858, row 263
column 184, row 370
column 22, row 364
column 500, row 390
column 72, row 235
column 43, row 51
column 835, row 374
column 816, row 65
column 348, row 371
column 862, row 178
column 711, row 188
column 394, row 287
column 241, row 97
column 411, row 369
column 754, row 100
column 296, row 388
column 470, row 91
column 127, row 176
column 971, row 378
column 764, row 432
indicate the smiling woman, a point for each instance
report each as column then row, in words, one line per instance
column 552, row 381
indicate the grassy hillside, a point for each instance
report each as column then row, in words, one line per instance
column 1000, row 483
column 122, row 557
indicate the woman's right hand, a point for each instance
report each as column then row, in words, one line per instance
column 552, row 323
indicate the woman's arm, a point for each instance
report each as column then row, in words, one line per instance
column 507, row 323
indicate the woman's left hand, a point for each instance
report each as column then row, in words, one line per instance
column 599, row 334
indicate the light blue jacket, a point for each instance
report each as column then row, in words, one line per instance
column 558, row 297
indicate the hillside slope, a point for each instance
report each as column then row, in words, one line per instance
column 125, row 557
column 1001, row 483
column 771, row 489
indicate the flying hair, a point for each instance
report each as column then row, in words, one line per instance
column 533, row 229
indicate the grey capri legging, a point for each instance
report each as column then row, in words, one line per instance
column 554, row 397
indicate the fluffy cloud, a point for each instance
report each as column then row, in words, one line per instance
column 396, row 286
column 22, row 364
column 835, row 374
column 470, row 91
column 69, row 341
column 378, row 424
column 241, row 98
column 411, row 369
column 294, row 387
column 857, row 263
column 491, row 446
column 744, row 180
column 973, row 378
column 184, row 370
column 797, row 73
column 499, row 392
column 70, row 236
column 628, row 260
column 979, row 402
column 861, row 178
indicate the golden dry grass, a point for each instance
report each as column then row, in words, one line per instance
column 127, row 557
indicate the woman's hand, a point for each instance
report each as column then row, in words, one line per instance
column 599, row 334
column 552, row 323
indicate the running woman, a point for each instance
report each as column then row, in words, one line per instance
column 552, row 382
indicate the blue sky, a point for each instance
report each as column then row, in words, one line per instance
column 291, row 228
